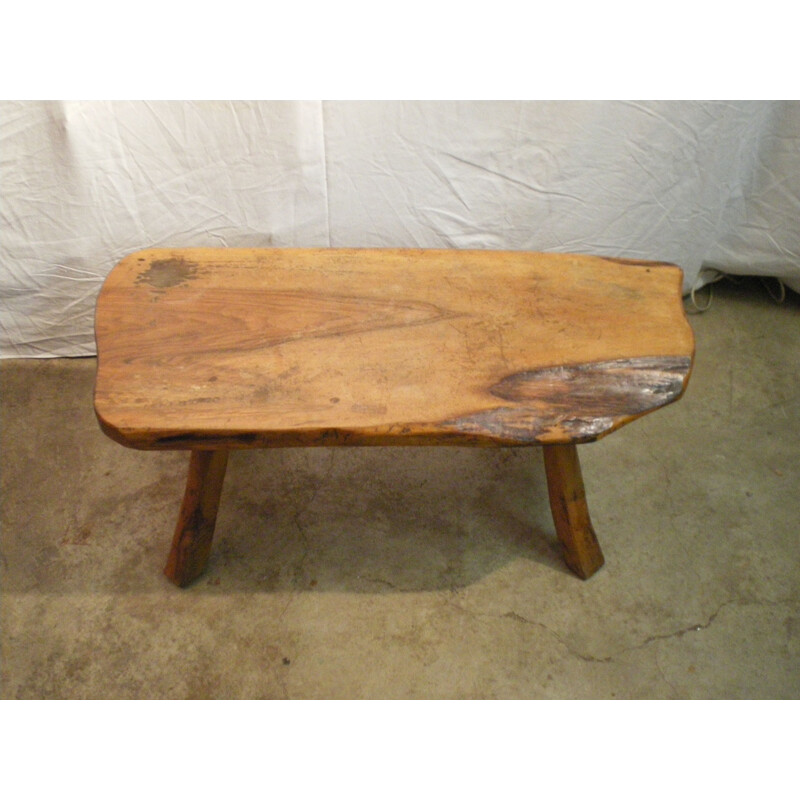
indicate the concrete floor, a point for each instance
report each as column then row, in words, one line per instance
column 418, row 572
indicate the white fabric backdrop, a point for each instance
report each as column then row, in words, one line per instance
column 85, row 183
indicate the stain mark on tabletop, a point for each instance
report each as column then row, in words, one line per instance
column 166, row 273
column 262, row 394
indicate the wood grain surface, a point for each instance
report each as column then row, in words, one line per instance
column 194, row 533
column 567, row 494
column 210, row 348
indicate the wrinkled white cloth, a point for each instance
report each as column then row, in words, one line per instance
column 85, row 183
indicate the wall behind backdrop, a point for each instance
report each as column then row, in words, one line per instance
column 700, row 184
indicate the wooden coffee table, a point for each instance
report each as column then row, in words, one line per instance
column 209, row 350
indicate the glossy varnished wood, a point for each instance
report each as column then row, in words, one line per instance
column 225, row 348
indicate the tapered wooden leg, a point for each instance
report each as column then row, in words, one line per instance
column 570, row 512
column 194, row 533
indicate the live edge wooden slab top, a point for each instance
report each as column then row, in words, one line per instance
column 232, row 348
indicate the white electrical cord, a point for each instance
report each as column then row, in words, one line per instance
column 702, row 280
column 709, row 276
